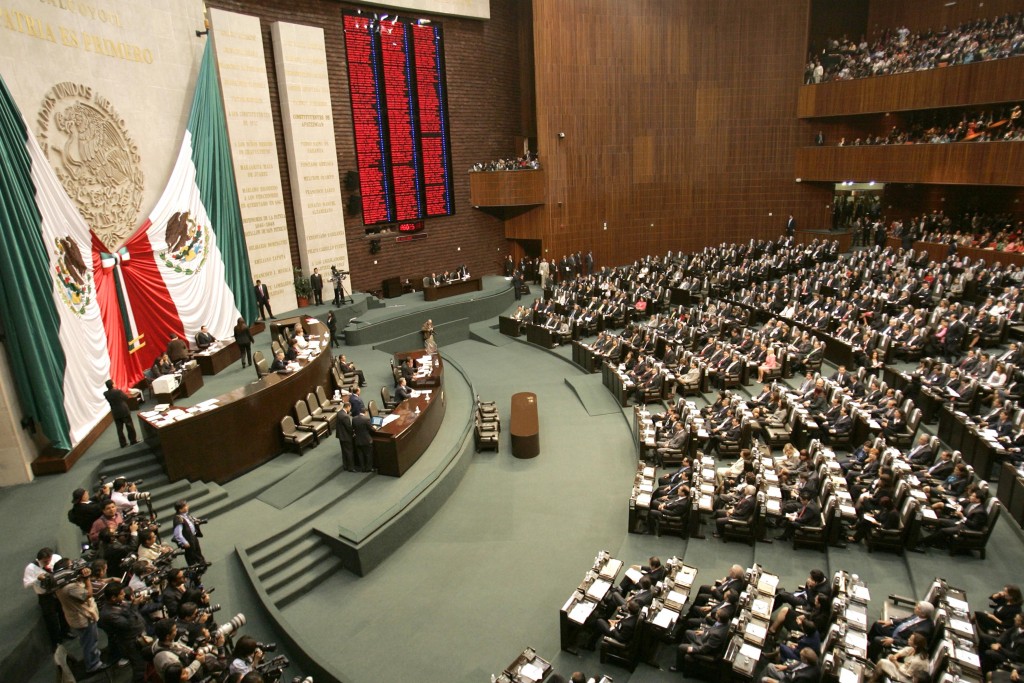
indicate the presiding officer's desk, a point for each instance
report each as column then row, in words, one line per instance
column 473, row 284
column 240, row 429
column 399, row 444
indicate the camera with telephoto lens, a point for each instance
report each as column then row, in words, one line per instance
column 210, row 609
column 145, row 593
column 167, row 557
column 231, row 627
column 52, row 581
column 267, row 647
column 271, row 670
column 139, row 495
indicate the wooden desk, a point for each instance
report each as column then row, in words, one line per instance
column 212, row 362
column 423, row 381
column 400, row 443
column 510, row 326
column 243, row 431
column 473, row 284
column 540, row 335
column 524, row 425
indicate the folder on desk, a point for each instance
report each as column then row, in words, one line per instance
column 599, row 589
column 580, row 612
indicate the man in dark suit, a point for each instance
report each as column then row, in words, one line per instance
column 972, row 517
column 316, row 283
column 402, row 391
column 204, row 339
column 741, row 511
column 346, row 439
column 808, row 514
column 921, row 456
column 1008, row 648
column 362, row 436
column 790, row 226
column 676, row 504
column 735, row 580
column 896, row 632
column 122, row 415
column 803, row 670
column 622, row 629
column 356, row 401
column 177, row 351
column 408, row 371
column 709, row 640
column 263, row 300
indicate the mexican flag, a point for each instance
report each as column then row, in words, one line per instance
column 186, row 266
column 53, row 333
column 77, row 311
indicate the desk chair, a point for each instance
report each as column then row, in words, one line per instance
column 295, row 437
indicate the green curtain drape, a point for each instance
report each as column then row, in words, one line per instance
column 27, row 308
column 215, row 178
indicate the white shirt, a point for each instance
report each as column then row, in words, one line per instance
column 33, row 571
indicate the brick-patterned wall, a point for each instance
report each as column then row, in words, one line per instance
column 484, row 108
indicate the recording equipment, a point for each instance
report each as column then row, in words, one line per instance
column 271, row 670
column 300, row 679
column 209, row 609
column 267, row 647
column 62, row 577
column 138, row 495
column 231, row 627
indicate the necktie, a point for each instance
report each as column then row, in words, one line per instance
column 905, row 625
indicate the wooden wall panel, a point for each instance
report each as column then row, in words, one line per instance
column 924, row 15
column 1001, row 80
column 482, row 59
column 904, row 201
column 507, row 188
column 679, row 122
column 963, row 163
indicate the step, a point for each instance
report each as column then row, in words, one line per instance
column 266, row 548
column 301, row 570
column 280, row 561
column 317, row 575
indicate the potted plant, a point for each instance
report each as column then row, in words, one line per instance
column 303, row 290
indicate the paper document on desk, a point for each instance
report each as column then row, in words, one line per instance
column 599, row 589
column 956, row 604
column 967, row 657
column 752, row 651
column 856, row 641
column 961, row 626
column 676, row 598
column 388, row 420
column 848, row 676
column 581, row 611
column 643, row 501
column 531, row 671
column 860, row 593
column 611, row 569
column 856, row 617
column 634, row 574
column 756, row 632
column 665, row 618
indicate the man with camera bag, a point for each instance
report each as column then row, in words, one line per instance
column 82, row 614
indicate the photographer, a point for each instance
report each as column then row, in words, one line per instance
column 193, row 624
column 113, row 550
column 174, row 592
column 168, row 653
column 187, row 533
column 53, row 616
column 150, row 550
column 112, row 520
column 246, row 656
column 121, row 495
column 83, row 511
column 125, row 628
column 82, row 614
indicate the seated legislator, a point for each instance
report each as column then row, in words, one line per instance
column 402, row 391
column 162, row 366
column 897, row 632
column 204, row 339
column 278, row 364
column 177, row 351
column 707, row 640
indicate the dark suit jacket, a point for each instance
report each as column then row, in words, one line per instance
column 924, row 627
column 402, row 393
column 624, row 630
column 712, row 640
column 118, row 401
column 362, row 431
column 358, row 407
column 345, row 435
column 743, row 508
column 262, row 293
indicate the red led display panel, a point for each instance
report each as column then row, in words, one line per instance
column 367, row 119
column 394, row 50
column 433, row 118
column 400, row 118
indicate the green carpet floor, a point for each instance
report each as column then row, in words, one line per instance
column 486, row 576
